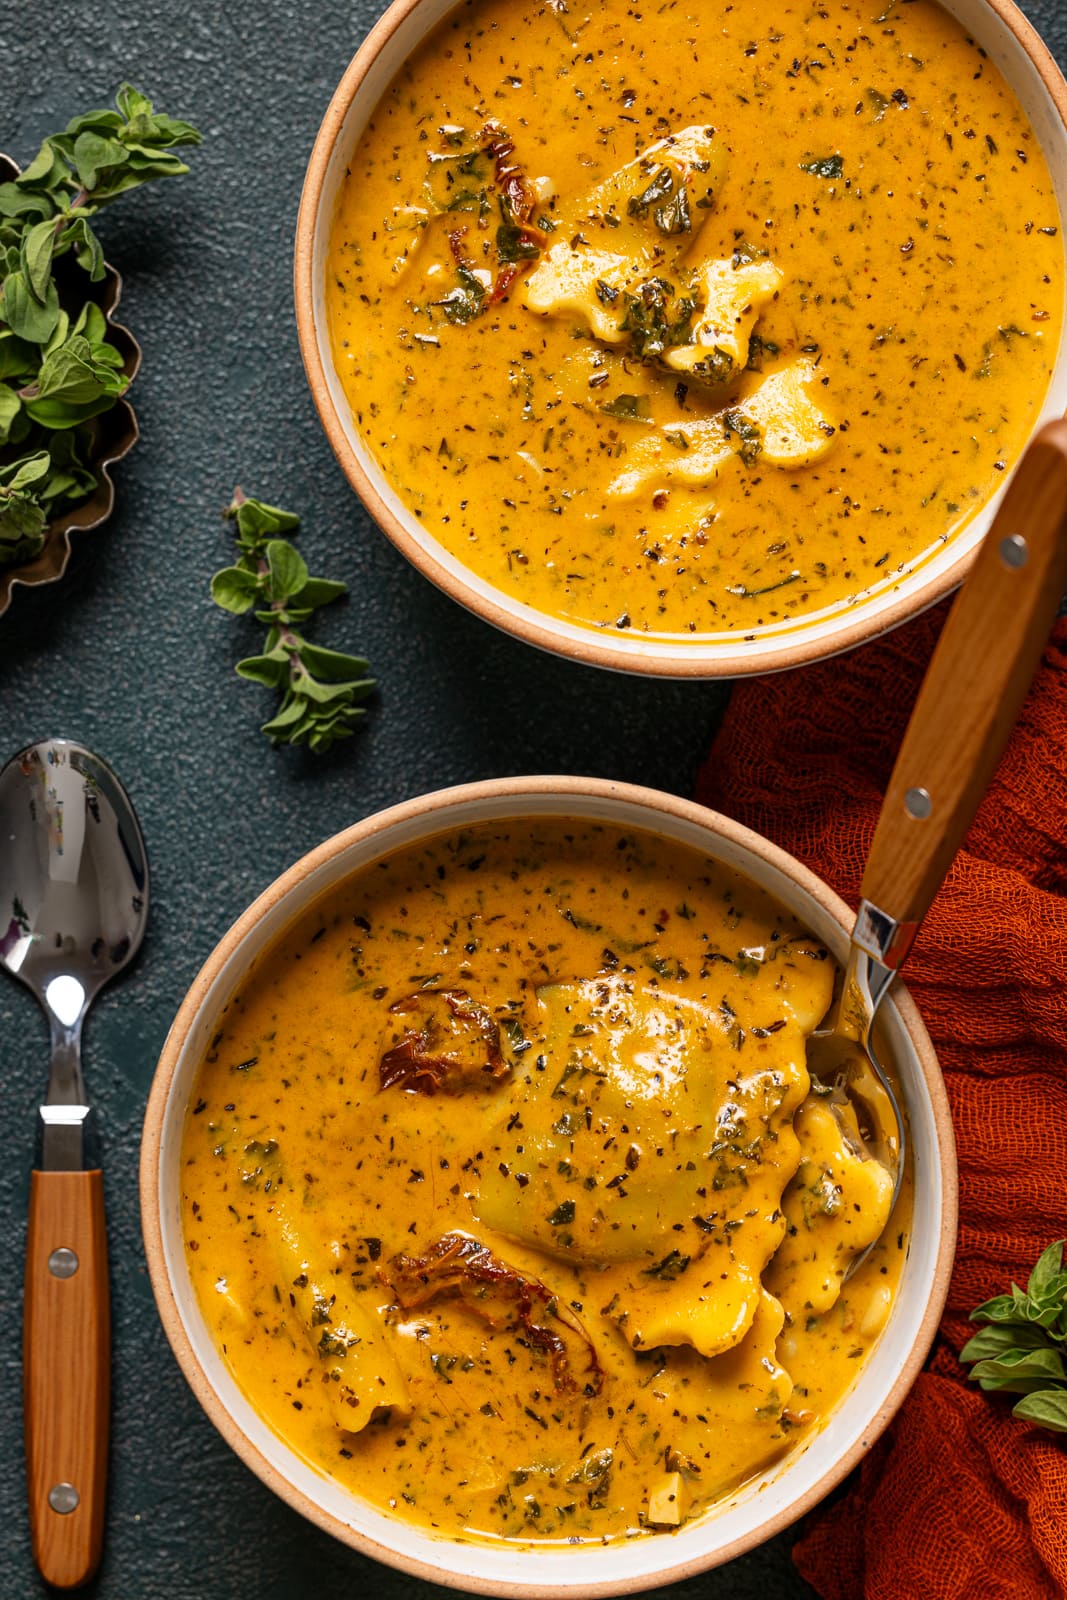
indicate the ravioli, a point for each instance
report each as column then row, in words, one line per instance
column 836, row 1205
column 775, row 423
column 649, row 1146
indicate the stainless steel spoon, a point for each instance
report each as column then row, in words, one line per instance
column 968, row 704
column 73, row 902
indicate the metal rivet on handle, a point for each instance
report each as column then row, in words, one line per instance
column 917, row 804
column 1014, row 551
column 62, row 1263
column 63, row 1497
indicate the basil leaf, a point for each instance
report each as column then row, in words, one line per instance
column 68, row 477
column 750, row 440
column 998, row 1339
column 1022, row 1349
column 1047, row 1272
column 1002, row 1308
column 1046, row 1407
column 673, row 216
column 60, row 367
column 1020, row 1370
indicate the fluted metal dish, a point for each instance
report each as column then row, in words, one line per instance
column 115, row 433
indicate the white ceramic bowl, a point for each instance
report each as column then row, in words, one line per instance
column 765, row 1505
column 1014, row 47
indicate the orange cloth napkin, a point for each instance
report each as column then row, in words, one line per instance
column 958, row 1500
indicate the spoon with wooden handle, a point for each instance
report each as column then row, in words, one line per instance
column 970, row 698
column 73, row 903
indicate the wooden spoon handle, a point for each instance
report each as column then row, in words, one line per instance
column 66, row 1364
column 975, row 685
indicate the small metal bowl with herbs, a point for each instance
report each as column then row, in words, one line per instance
column 65, row 365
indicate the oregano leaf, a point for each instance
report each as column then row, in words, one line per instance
column 10, row 406
column 321, row 689
column 287, row 568
column 28, row 317
column 234, row 590
column 264, row 669
column 60, row 365
column 38, row 245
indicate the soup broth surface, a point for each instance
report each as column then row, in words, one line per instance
column 507, row 1197
column 746, row 382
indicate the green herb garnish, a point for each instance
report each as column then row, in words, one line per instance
column 321, row 690
column 467, row 300
column 628, row 408
column 57, row 369
column 669, row 206
column 672, row 1266
column 673, row 216
column 515, row 241
column 715, row 367
column 824, row 167
column 656, row 319
column 743, row 252
column 1022, row 1349
column 758, row 347
column 515, row 244
column 749, row 438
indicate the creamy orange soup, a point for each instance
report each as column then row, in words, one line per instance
column 695, row 319
column 507, row 1197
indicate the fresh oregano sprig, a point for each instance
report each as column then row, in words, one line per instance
column 1022, row 1349
column 57, row 369
column 322, row 690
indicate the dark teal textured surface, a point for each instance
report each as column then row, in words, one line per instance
column 129, row 656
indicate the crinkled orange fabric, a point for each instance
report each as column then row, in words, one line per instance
column 958, row 1500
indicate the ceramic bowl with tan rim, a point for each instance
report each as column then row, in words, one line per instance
column 886, row 596
column 774, row 1497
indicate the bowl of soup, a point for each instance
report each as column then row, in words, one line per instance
column 695, row 343
column 492, row 1214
